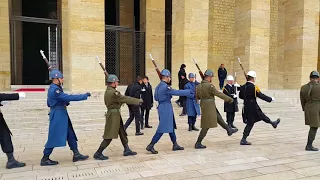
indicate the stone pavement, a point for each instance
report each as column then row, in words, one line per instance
column 275, row 154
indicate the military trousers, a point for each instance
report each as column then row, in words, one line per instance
column 157, row 137
column 312, row 135
column 250, row 124
column 5, row 139
column 192, row 120
column 71, row 138
column 123, row 137
column 230, row 117
column 134, row 113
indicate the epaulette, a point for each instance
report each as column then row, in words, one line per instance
column 256, row 89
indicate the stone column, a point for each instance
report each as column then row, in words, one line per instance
column 301, row 41
column 155, row 31
column 189, row 36
column 83, row 38
column 252, row 38
column 221, row 37
column 5, row 76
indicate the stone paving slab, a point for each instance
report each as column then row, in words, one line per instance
column 275, row 153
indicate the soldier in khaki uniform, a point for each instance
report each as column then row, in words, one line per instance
column 310, row 102
column 210, row 116
column 114, row 125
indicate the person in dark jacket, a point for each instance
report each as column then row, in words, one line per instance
column 251, row 112
column 181, row 75
column 222, row 74
column 147, row 97
column 230, row 109
column 183, row 99
column 5, row 133
column 134, row 90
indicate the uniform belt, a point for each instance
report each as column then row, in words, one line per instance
column 207, row 100
column 59, row 107
column 113, row 110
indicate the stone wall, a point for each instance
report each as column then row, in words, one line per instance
column 5, row 76
column 83, row 37
column 155, row 31
column 221, row 36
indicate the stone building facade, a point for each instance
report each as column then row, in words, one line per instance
column 279, row 39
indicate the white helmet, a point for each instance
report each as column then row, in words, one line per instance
column 230, row 78
column 252, row 74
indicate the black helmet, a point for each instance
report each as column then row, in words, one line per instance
column 314, row 74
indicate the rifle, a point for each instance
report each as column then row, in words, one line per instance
column 46, row 60
column 244, row 72
column 155, row 65
column 200, row 72
column 102, row 67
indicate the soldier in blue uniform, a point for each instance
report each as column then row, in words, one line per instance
column 193, row 108
column 163, row 94
column 60, row 127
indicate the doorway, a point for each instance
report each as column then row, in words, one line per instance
column 33, row 27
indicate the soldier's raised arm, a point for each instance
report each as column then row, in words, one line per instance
column 126, row 99
column 262, row 96
column 215, row 92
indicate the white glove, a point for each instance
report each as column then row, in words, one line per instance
column 22, row 95
column 236, row 85
column 235, row 96
column 3, row 103
column 272, row 98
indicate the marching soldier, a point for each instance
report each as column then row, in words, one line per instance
column 193, row 108
column 114, row 125
column 210, row 115
column 230, row 109
column 310, row 102
column 60, row 127
column 251, row 111
column 167, row 124
column 5, row 133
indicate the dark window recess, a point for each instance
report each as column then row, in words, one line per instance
column 168, row 37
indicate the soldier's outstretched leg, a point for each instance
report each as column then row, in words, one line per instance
column 154, row 140
column 46, row 161
column 175, row 146
column 311, row 137
column 202, row 134
column 246, row 133
column 266, row 119
column 221, row 122
column 72, row 141
column 99, row 155
column 7, row 147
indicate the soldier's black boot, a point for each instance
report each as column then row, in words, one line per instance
column 147, row 126
column 190, row 127
column 233, row 126
column 244, row 141
column 99, row 156
column 77, row 156
column 309, row 147
column 194, row 128
column 176, row 147
column 13, row 163
column 275, row 123
column 198, row 144
column 151, row 149
column 231, row 131
column 45, row 161
column 128, row 152
column 139, row 133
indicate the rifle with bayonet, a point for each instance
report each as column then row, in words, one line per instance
column 157, row 69
column 200, row 72
column 102, row 67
